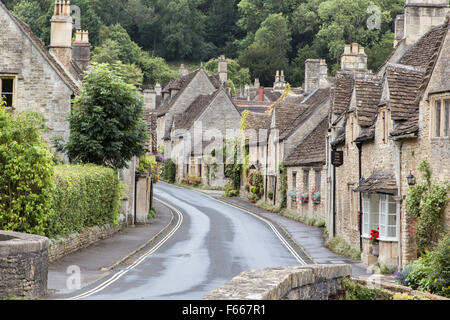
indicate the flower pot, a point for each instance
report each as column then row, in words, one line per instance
column 375, row 249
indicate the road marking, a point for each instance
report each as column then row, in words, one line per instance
column 282, row 239
column 119, row 274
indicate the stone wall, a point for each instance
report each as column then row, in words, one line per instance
column 312, row 282
column 23, row 265
column 60, row 248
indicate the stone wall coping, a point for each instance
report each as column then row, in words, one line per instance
column 22, row 243
column 276, row 283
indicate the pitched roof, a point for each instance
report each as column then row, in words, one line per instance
column 404, row 83
column 368, row 93
column 340, row 139
column 366, row 134
column 408, row 127
column 379, row 181
column 310, row 104
column 187, row 118
column 60, row 70
column 313, row 148
column 420, row 53
column 342, row 92
column 179, row 84
column 257, row 121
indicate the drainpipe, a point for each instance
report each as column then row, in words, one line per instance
column 136, row 178
column 359, row 145
column 267, row 168
column 399, row 145
column 334, row 198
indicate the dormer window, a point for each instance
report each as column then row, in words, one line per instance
column 7, row 91
column 440, row 117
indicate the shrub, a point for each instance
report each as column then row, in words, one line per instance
column 84, row 196
column 192, row 180
column 270, row 194
column 169, row 171
column 254, row 190
column 431, row 272
column 151, row 213
column 26, row 170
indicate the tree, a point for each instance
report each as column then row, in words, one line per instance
column 296, row 71
column 263, row 62
column 106, row 122
column 274, row 33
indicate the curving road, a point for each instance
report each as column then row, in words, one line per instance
column 213, row 243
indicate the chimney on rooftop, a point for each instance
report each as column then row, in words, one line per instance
column 261, row 94
column 182, row 71
column 354, row 58
column 223, row 69
column 316, row 74
column 61, row 33
column 81, row 49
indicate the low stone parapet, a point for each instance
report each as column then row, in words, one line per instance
column 312, row 282
column 23, row 265
column 72, row 243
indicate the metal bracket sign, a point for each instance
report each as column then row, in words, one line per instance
column 337, row 158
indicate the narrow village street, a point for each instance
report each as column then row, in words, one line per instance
column 214, row 243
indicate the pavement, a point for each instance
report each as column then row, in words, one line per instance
column 310, row 239
column 99, row 259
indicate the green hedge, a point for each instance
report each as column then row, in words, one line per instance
column 84, row 196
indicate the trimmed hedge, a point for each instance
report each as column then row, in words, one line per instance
column 84, row 196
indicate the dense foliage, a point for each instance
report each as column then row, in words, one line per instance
column 431, row 272
column 26, row 171
column 426, row 202
column 84, row 196
column 169, row 171
column 275, row 34
column 106, row 126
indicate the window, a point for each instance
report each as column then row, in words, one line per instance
column 7, row 90
column 306, row 180
column 318, row 179
column 441, row 118
column 294, row 180
column 379, row 211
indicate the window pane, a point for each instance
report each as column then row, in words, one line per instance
column 392, row 208
column 7, row 86
column 391, row 220
column 294, row 180
column 318, row 180
column 447, row 118
column 306, row 180
column 392, row 232
column 374, row 211
column 8, row 99
column 437, row 117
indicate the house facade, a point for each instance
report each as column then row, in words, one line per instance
column 382, row 125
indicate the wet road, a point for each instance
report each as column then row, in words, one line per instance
column 213, row 243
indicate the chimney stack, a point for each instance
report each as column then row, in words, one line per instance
column 261, row 94
column 256, row 84
column 223, row 69
column 61, row 33
column 354, row 58
column 421, row 15
column 182, row 71
column 316, row 74
column 81, row 53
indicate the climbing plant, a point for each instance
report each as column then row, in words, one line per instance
column 426, row 203
column 283, row 185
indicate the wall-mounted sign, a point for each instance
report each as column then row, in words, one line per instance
column 337, row 158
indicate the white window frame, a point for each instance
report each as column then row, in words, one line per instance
column 383, row 216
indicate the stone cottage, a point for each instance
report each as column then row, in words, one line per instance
column 33, row 78
column 202, row 128
column 293, row 119
column 399, row 116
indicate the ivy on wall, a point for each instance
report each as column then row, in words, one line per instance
column 426, row 203
column 283, row 185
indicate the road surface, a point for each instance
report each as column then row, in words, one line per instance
column 213, row 242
